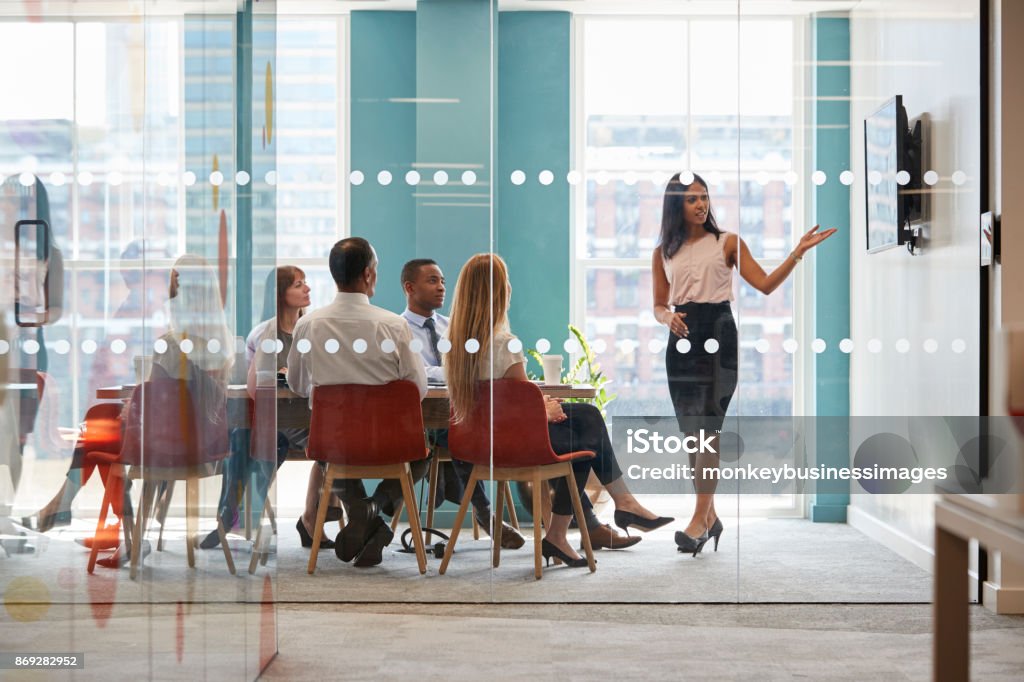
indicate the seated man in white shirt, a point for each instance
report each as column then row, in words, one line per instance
column 423, row 283
column 351, row 317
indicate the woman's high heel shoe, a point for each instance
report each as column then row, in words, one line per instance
column 548, row 550
column 689, row 545
column 715, row 531
column 626, row 520
column 307, row 539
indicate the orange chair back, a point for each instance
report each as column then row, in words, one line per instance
column 517, row 427
column 161, row 429
column 361, row 425
column 102, row 432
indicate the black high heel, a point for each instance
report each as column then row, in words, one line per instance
column 625, row 520
column 307, row 539
column 689, row 545
column 548, row 550
column 715, row 531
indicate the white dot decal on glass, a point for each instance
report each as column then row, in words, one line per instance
column 118, row 346
column 686, row 177
column 902, row 346
column 213, row 346
column 85, row 178
column 790, row 178
column 304, row 346
column 846, row 177
column 874, row 177
column 4, row 347
column 356, row 177
column 115, row 179
column 902, row 178
column 412, row 178
column 572, row 177
column 931, row 177
column 790, row 346
column 416, row 346
column 440, row 178
column 387, row 346
column 62, row 347
column 819, row 345
column 242, row 178
column 711, row 345
column 571, row 346
column 163, row 179
column 57, row 179
column 216, row 178
column 89, row 347
column 762, row 346
column 846, row 345
column 818, row 178
column 959, row 178
column 444, row 346
column 654, row 345
column 468, row 178
column 599, row 346
column 271, row 178
column 543, row 345
column 31, row 347
column 875, row 346
column 384, row 178
column 931, row 345
column 186, row 346
column 472, row 346
column 658, row 179
column 188, row 178
column 332, row 346
column 629, row 178
column 359, row 346
column 518, row 177
column 959, row 345
column 267, row 345
column 602, row 177
column 683, row 346
column 761, row 178
column 515, row 346
column 278, row 345
column 27, row 179
column 545, row 177
column 159, row 346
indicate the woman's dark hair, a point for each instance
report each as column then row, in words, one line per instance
column 286, row 276
column 672, row 227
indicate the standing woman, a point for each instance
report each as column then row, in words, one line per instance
column 692, row 280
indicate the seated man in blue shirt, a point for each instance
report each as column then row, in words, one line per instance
column 423, row 283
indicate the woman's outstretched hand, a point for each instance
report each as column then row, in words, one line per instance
column 812, row 238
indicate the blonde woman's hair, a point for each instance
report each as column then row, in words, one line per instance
column 197, row 314
column 479, row 310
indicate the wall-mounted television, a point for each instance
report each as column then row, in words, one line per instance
column 892, row 167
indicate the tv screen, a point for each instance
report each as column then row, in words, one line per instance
column 884, row 133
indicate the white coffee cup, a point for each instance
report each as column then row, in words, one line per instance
column 552, row 369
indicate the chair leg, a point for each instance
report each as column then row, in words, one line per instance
column 321, row 515
column 459, row 516
column 510, row 503
column 409, row 494
column 431, row 493
column 191, row 518
column 165, row 504
column 496, row 524
column 577, row 508
column 247, row 521
column 145, row 502
column 108, row 492
column 398, row 514
column 537, row 482
column 224, row 543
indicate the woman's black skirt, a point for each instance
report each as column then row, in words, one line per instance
column 702, row 380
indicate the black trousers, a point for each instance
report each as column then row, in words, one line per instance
column 387, row 493
column 583, row 430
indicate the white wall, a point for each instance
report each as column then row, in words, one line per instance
column 928, row 52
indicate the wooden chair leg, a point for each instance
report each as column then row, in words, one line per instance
column 164, row 502
column 191, row 518
column 108, row 492
column 247, row 521
column 510, row 503
column 409, row 494
column 577, row 508
column 496, row 524
column 459, row 517
column 431, row 493
column 145, row 502
column 321, row 515
column 222, row 534
column 537, row 482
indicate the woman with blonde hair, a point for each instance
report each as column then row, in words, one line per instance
column 480, row 312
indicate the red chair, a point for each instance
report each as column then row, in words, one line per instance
column 164, row 442
column 367, row 432
column 514, row 436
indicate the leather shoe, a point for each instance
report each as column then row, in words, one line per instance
column 354, row 536
column 510, row 537
column 372, row 552
column 605, row 537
